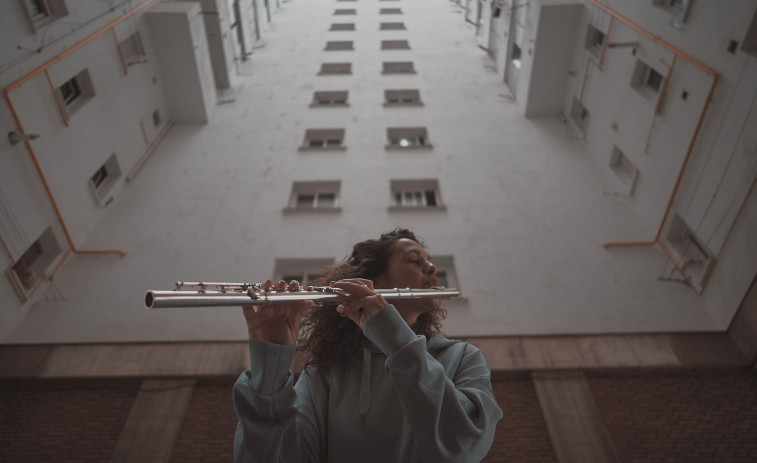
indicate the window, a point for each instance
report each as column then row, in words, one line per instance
column 75, row 92
column 646, row 79
column 694, row 258
column 104, row 179
column 70, row 91
column 415, row 194
column 624, row 169
column 329, row 99
column 398, row 67
column 345, row 11
column 392, row 26
column 43, row 12
column 30, row 268
column 395, row 45
column 305, row 271
column 342, row 27
column 309, row 196
column 402, row 98
column 339, row 45
column 132, row 50
column 335, row 68
column 595, row 41
column 516, row 56
column 323, row 139
column 390, row 11
column 579, row 114
column 407, row 138
column 678, row 10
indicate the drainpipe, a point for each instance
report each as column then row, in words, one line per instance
column 678, row 54
column 7, row 94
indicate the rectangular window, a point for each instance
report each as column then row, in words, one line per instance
column 335, row 69
column 339, row 45
column 392, row 26
column 345, row 11
column 323, row 139
column 320, row 195
column 70, row 91
column 305, row 271
column 694, row 258
column 342, row 27
column 76, row 92
column 43, row 12
column 32, row 266
column 678, row 9
column 390, row 11
column 579, row 114
column 338, row 98
column 595, row 41
column 407, row 138
column 646, row 79
column 402, row 98
column 395, row 45
column 415, row 194
column 104, row 179
column 132, row 50
column 624, row 170
column 398, row 67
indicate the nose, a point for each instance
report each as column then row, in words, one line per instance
column 430, row 268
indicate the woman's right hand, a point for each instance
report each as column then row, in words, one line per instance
column 280, row 323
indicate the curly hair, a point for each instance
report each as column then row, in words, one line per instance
column 327, row 338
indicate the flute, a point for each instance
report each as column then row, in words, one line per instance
column 202, row 294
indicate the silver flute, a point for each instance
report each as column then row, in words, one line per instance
column 203, row 294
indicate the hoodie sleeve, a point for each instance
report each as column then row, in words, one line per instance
column 265, row 404
column 451, row 408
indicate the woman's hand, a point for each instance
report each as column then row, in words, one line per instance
column 280, row 323
column 358, row 301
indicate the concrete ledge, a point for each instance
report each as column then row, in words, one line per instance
column 155, row 421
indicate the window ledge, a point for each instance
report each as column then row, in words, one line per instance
column 389, row 105
column 409, row 148
column 329, row 148
column 334, row 105
column 440, row 207
column 312, row 210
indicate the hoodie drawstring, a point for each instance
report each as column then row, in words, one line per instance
column 365, row 385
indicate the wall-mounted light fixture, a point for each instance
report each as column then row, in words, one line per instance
column 15, row 137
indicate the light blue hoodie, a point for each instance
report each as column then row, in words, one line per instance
column 401, row 401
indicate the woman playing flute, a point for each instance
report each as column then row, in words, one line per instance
column 381, row 383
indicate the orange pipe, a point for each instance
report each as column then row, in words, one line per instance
column 6, row 93
column 86, row 40
column 677, row 53
column 120, row 52
column 56, row 97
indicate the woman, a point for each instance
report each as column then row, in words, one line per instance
column 381, row 383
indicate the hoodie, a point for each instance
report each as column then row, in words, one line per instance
column 401, row 400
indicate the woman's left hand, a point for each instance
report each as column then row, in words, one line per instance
column 358, row 301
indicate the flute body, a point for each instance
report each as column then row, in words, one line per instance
column 242, row 294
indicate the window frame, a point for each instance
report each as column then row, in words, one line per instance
column 402, row 97
column 326, row 137
column 335, row 69
column 420, row 191
column 417, row 138
column 398, row 67
column 330, row 99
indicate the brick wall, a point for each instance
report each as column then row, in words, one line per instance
column 63, row 420
column 659, row 416
column 522, row 434
column 208, row 431
column 666, row 416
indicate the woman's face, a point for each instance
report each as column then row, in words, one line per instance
column 409, row 267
